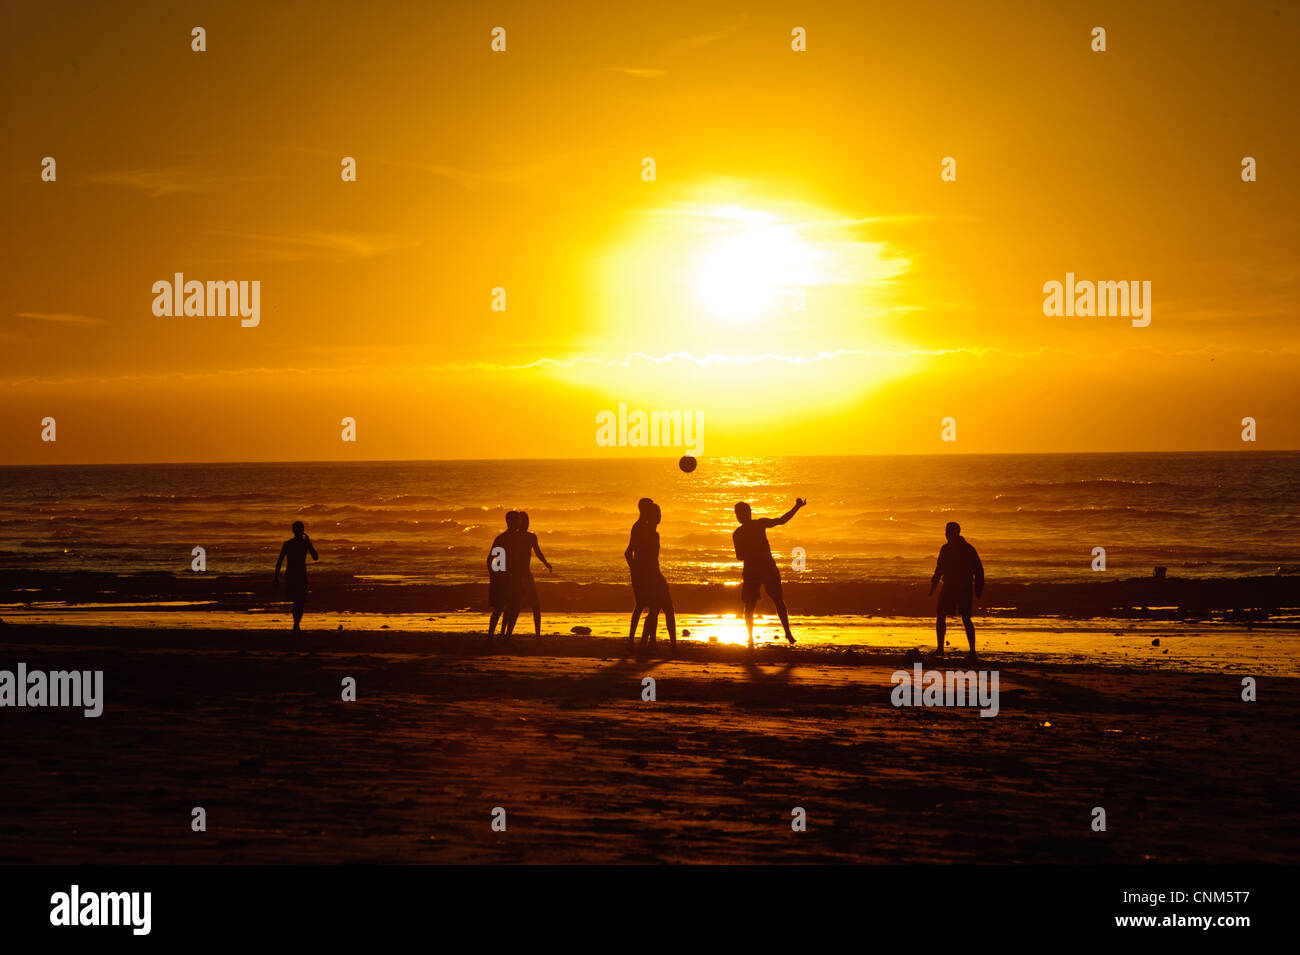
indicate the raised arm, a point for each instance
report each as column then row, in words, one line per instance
column 777, row 522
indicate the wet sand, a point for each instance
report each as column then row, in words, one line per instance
column 1230, row 600
column 250, row 726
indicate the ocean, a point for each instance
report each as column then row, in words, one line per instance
column 1031, row 517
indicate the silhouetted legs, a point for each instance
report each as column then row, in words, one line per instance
column 785, row 617
column 492, row 625
column 512, row 616
column 750, row 588
column 297, row 613
column 941, row 628
column 636, row 618
column 778, row 598
column 648, row 635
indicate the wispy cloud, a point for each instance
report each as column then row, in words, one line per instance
column 61, row 318
column 640, row 73
column 502, row 172
column 704, row 39
column 628, row 361
column 681, row 47
column 167, row 180
column 301, row 245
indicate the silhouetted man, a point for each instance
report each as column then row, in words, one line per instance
column 648, row 584
column 498, row 578
column 753, row 550
column 959, row 568
column 523, row 589
column 295, row 552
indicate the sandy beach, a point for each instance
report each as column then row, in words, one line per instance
column 250, row 725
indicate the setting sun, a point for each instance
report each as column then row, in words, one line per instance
column 753, row 262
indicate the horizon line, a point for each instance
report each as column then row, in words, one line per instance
column 587, row 460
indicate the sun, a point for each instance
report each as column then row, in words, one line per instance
column 750, row 265
column 712, row 280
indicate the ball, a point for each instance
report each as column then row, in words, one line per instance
column 687, row 463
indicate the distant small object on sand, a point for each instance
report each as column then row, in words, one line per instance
column 581, row 631
column 1159, row 573
column 1155, row 642
column 687, row 463
column 686, row 633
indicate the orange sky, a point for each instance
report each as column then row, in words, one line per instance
column 775, row 170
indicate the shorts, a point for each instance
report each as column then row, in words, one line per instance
column 498, row 590
column 295, row 589
column 651, row 590
column 762, row 578
column 955, row 601
column 524, row 591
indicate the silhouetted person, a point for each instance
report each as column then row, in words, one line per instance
column 523, row 589
column 497, row 564
column 753, row 550
column 959, row 568
column 294, row 552
column 648, row 583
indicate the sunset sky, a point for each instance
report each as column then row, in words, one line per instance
column 776, row 171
